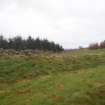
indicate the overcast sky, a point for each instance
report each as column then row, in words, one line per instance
column 68, row 22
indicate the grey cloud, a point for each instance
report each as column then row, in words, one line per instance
column 69, row 22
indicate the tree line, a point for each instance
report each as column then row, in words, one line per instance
column 18, row 43
column 100, row 45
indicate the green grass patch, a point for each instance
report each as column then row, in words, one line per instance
column 84, row 87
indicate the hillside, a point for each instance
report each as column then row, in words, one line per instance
column 67, row 78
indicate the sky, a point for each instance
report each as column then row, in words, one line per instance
column 71, row 23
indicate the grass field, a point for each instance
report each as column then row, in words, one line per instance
column 68, row 78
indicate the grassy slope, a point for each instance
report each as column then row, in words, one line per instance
column 46, row 79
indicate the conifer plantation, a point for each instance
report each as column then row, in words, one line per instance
column 18, row 43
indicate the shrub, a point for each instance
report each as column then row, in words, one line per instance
column 102, row 44
column 94, row 46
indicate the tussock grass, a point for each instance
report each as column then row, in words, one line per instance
column 68, row 78
column 20, row 66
